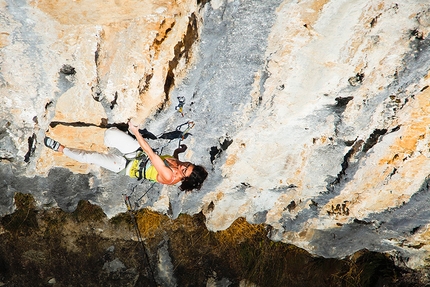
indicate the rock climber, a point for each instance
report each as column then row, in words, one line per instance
column 138, row 160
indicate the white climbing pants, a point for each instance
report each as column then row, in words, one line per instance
column 113, row 138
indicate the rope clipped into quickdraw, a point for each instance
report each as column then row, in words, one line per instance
column 180, row 106
column 185, row 132
column 131, row 211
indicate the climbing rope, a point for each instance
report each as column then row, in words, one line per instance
column 136, row 203
column 177, row 134
column 132, row 211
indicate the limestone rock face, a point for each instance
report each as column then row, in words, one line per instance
column 310, row 116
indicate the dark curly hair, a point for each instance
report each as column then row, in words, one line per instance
column 195, row 180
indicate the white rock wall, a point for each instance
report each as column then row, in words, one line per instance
column 315, row 165
column 325, row 103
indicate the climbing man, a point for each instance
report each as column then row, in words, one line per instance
column 138, row 160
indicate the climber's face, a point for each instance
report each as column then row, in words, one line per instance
column 186, row 168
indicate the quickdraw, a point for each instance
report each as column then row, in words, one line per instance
column 190, row 125
column 177, row 133
column 180, row 106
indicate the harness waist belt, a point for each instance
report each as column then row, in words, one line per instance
column 142, row 169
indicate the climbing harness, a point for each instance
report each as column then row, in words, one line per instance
column 138, row 165
column 180, row 106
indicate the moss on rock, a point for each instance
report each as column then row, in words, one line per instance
column 84, row 248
